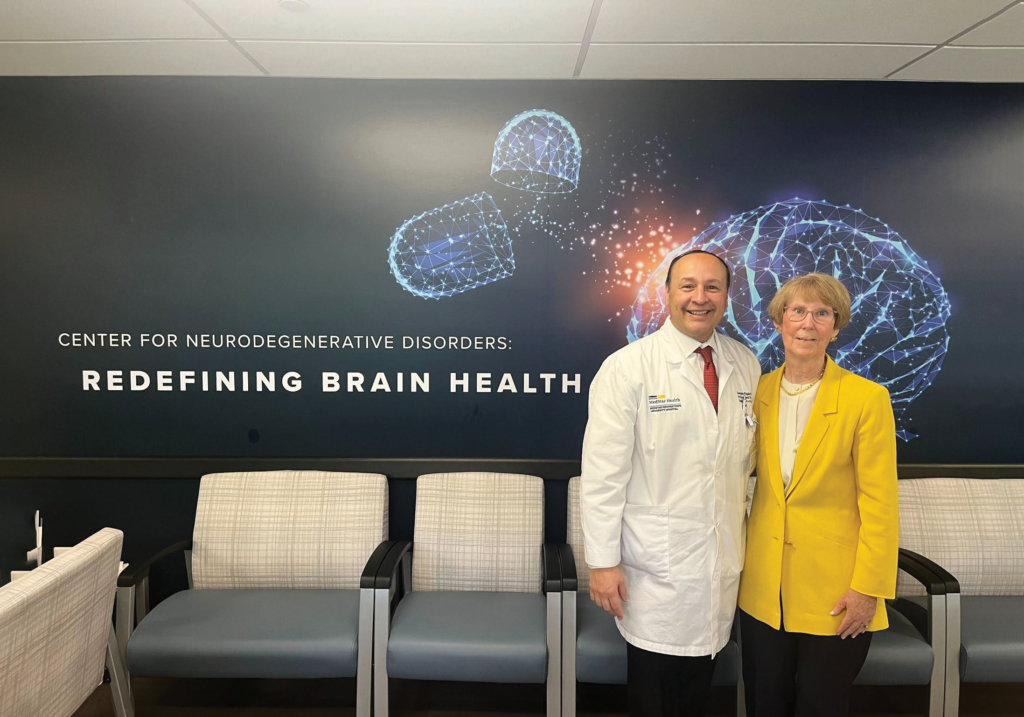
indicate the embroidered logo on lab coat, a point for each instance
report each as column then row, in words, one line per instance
column 662, row 404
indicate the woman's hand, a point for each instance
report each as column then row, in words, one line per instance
column 860, row 611
column 607, row 589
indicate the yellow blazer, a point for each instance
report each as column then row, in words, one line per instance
column 837, row 527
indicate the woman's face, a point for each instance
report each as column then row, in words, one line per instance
column 807, row 327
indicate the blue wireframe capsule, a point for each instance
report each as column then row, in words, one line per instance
column 452, row 249
column 538, row 151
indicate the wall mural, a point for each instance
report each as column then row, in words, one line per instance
column 199, row 267
column 897, row 333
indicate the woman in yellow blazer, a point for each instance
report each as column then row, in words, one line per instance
column 823, row 532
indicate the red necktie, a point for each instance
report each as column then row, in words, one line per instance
column 710, row 377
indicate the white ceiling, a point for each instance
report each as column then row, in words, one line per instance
column 942, row 40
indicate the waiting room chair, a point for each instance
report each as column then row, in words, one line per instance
column 56, row 635
column 475, row 596
column 593, row 650
column 972, row 532
column 912, row 651
column 276, row 564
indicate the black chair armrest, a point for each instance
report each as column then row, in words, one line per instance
column 909, row 564
column 570, row 582
column 552, row 568
column 136, row 571
column 952, row 585
column 387, row 572
column 369, row 577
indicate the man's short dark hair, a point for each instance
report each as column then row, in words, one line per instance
column 728, row 271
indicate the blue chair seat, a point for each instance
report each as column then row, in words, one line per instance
column 899, row 655
column 992, row 638
column 249, row 633
column 601, row 649
column 469, row 637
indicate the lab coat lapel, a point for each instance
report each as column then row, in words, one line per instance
column 768, row 419
column 674, row 352
column 826, row 403
column 724, row 366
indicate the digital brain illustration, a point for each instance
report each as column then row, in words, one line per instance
column 897, row 335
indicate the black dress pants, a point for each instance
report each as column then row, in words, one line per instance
column 660, row 685
column 791, row 673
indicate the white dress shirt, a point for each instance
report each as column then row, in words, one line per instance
column 694, row 360
column 793, row 414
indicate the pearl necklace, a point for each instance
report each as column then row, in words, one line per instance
column 806, row 387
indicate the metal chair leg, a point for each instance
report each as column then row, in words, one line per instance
column 569, row 653
column 124, row 624
column 119, row 692
column 364, row 663
column 142, row 599
column 381, row 632
column 937, row 635
column 952, row 682
column 554, row 643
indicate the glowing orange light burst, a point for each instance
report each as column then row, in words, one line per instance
column 650, row 236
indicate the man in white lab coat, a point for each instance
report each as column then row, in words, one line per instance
column 666, row 459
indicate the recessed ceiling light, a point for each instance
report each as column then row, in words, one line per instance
column 294, row 5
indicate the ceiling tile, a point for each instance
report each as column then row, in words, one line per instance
column 341, row 59
column 515, row 21
column 968, row 64
column 160, row 57
column 874, row 21
column 745, row 61
column 102, row 20
column 1005, row 30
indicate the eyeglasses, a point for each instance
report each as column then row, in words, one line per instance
column 796, row 314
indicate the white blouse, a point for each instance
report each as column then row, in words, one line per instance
column 793, row 414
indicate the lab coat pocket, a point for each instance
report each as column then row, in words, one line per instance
column 645, row 538
column 691, row 537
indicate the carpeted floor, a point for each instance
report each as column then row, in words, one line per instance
column 308, row 698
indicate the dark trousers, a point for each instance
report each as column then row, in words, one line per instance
column 660, row 685
column 790, row 673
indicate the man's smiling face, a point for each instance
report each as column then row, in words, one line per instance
column 697, row 295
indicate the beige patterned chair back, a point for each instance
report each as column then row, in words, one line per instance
column 478, row 531
column 54, row 624
column 287, row 529
column 574, row 535
column 973, row 528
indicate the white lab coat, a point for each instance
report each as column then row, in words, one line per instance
column 664, row 487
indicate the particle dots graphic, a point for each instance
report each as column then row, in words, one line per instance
column 451, row 249
column 897, row 335
column 538, row 151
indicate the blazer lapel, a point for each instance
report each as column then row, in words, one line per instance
column 768, row 418
column 826, row 403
